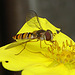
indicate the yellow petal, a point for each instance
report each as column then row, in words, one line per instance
column 42, row 70
column 24, row 59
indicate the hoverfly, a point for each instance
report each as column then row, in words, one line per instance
column 37, row 34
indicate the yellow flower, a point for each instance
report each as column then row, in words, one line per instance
column 54, row 58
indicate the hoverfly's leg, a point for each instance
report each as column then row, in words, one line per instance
column 52, row 41
column 45, row 42
column 40, row 44
column 21, row 50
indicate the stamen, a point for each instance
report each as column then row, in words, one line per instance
column 51, row 49
column 68, row 56
column 67, row 43
column 63, row 45
column 64, row 54
column 70, row 42
column 73, row 48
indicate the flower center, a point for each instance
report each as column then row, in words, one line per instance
column 64, row 54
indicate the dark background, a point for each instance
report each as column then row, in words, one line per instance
column 61, row 13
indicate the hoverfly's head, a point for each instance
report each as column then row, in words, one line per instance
column 49, row 35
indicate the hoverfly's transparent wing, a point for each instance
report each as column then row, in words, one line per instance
column 17, row 43
column 33, row 20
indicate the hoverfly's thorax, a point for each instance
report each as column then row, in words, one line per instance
column 40, row 34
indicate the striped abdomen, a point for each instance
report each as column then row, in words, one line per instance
column 23, row 36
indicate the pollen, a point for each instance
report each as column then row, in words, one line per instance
column 64, row 54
